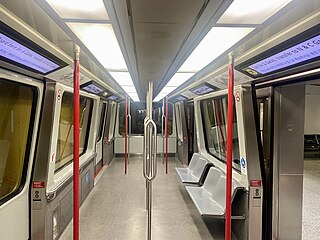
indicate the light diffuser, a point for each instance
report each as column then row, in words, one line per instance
column 251, row 11
column 102, row 43
column 123, row 78
column 179, row 78
column 80, row 9
column 216, row 42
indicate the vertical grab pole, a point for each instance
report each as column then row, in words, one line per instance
column 229, row 147
column 167, row 133
column 76, row 140
column 126, row 140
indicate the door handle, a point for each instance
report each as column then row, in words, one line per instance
column 150, row 151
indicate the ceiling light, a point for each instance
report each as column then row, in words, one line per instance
column 167, row 90
column 178, row 79
column 216, row 42
column 122, row 78
column 80, row 9
column 159, row 97
column 251, row 11
column 129, row 89
column 164, row 92
column 134, row 97
column 102, row 43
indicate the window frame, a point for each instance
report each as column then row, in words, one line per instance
column 85, row 147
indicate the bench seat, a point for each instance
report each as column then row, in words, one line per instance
column 210, row 199
column 193, row 173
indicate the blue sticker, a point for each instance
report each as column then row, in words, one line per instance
column 243, row 162
column 87, row 177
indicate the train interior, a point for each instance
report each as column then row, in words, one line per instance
column 153, row 139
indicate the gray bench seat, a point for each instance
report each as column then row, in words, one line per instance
column 193, row 173
column 210, row 199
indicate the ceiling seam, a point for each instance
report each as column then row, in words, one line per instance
column 205, row 4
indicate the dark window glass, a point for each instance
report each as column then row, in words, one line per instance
column 214, row 118
column 102, row 120
column 17, row 104
column 138, row 113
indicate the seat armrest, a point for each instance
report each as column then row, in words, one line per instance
column 205, row 173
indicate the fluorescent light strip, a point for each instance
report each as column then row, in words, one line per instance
column 216, row 42
column 122, row 78
column 178, row 79
column 102, row 43
column 251, row 11
column 125, row 81
column 80, row 9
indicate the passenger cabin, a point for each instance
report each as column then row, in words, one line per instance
column 162, row 119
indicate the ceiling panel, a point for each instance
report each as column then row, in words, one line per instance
column 165, row 11
column 160, row 28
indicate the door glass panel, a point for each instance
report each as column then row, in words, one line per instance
column 16, row 119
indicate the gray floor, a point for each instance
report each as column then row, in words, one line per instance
column 311, row 200
column 115, row 209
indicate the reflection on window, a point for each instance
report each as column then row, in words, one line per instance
column 64, row 154
column 157, row 115
column 102, row 111
column 214, row 116
column 16, row 101
column 138, row 113
column 179, row 122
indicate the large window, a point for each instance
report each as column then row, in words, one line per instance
column 65, row 135
column 214, row 116
column 17, row 104
column 138, row 113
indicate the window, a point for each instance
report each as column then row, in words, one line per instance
column 102, row 110
column 214, row 118
column 157, row 117
column 110, row 121
column 138, row 113
column 65, row 135
column 17, row 104
column 179, row 122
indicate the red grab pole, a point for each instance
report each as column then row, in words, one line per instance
column 229, row 147
column 167, row 133
column 126, row 140
column 76, row 140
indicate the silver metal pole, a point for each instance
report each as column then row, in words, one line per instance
column 149, row 155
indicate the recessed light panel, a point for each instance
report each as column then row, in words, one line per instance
column 102, row 43
column 123, row 78
column 80, row 9
column 178, row 79
column 216, row 42
column 251, row 11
